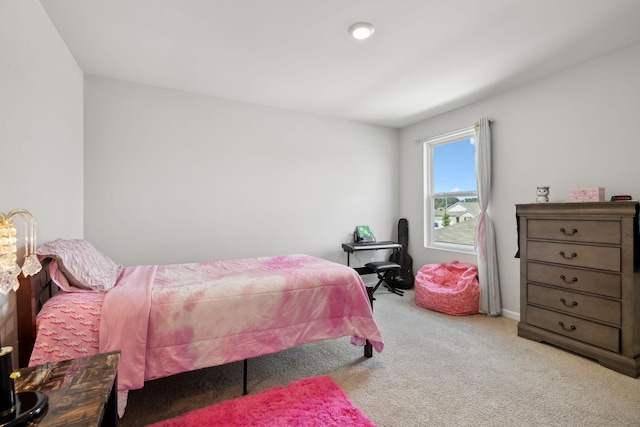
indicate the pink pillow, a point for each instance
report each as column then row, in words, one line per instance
column 59, row 278
column 81, row 264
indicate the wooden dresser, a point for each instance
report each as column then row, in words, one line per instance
column 580, row 279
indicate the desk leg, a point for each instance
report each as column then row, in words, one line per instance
column 370, row 291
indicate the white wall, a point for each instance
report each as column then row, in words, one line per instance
column 40, row 130
column 175, row 177
column 573, row 129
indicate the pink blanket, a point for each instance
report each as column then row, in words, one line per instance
column 124, row 323
column 171, row 319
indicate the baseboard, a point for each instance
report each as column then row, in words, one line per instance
column 511, row 315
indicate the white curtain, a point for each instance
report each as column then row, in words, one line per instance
column 485, row 232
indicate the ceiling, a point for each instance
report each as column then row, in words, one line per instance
column 425, row 58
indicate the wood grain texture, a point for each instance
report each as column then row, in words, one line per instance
column 81, row 392
column 580, row 280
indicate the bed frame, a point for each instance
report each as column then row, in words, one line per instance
column 34, row 291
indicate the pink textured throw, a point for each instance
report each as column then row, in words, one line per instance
column 311, row 402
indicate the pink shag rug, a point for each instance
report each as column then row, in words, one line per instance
column 310, row 402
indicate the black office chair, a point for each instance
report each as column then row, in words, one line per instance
column 386, row 271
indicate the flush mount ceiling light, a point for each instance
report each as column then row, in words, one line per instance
column 361, row 30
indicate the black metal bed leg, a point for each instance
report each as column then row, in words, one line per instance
column 368, row 348
column 244, row 377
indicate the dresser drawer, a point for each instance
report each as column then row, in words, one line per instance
column 574, row 303
column 595, row 282
column 597, row 257
column 575, row 230
column 592, row 333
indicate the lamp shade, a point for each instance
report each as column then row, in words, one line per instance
column 9, row 268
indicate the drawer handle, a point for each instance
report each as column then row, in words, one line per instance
column 569, row 329
column 572, row 256
column 573, row 303
column 564, row 279
column 566, row 233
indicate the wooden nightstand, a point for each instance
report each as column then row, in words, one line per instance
column 81, row 392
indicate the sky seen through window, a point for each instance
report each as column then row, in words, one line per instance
column 454, row 166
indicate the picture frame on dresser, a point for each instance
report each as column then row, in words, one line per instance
column 580, row 279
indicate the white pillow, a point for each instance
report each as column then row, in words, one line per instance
column 82, row 264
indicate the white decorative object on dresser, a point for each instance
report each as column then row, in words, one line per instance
column 580, row 279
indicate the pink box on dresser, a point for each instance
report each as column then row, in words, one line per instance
column 589, row 194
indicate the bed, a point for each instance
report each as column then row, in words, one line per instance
column 169, row 319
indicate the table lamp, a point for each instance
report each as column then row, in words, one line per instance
column 16, row 407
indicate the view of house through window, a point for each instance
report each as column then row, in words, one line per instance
column 451, row 198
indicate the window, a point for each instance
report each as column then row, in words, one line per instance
column 450, row 191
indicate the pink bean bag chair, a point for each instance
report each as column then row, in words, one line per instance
column 448, row 288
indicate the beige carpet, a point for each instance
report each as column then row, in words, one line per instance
column 435, row 370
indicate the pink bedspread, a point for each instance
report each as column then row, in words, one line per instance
column 171, row 319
